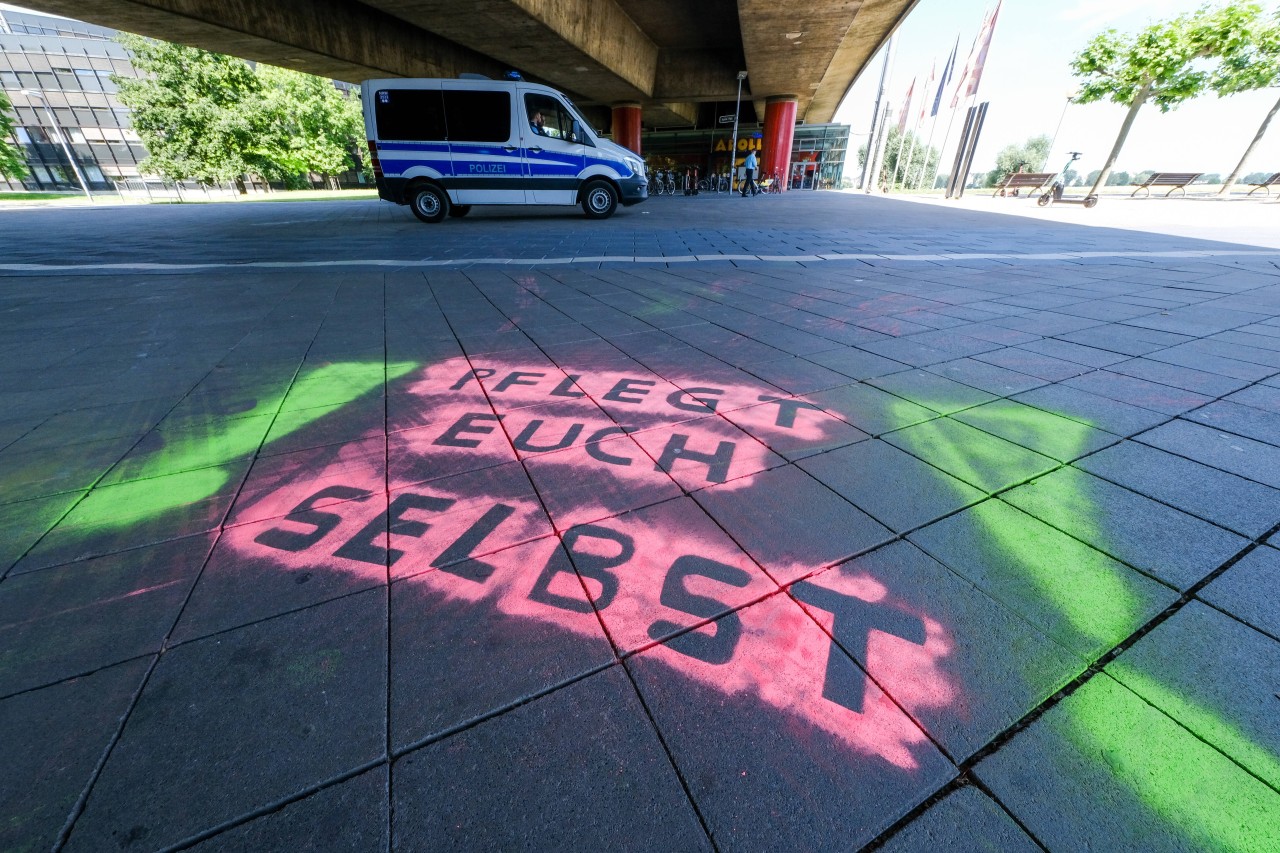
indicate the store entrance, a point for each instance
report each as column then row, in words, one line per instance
column 804, row 176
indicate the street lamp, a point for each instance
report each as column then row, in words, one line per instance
column 61, row 139
column 733, row 149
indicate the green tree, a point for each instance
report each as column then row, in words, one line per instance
column 1253, row 64
column 1118, row 179
column 1030, row 156
column 11, row 163
column 198, row 113
column 1158, row 64
column 902, row 166
column 313, row 126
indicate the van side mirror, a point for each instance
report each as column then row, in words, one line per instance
column 576, row 132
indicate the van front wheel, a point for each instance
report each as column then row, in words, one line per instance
column 599, row 200
column 429, row 203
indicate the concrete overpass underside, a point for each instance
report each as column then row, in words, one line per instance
column 665, row 55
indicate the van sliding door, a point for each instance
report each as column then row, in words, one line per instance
column 482, row 145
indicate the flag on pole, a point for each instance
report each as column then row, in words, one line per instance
column 946, row 78
column 969, row 61
column 982, row 52
column 906, row 108
column 924, row 91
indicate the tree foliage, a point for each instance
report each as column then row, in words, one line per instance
column 1159, row 63
column 213, row 118
column 1030, row 156
column 11, row 161
column 1251, row 64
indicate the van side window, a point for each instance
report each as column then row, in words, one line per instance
column 557, row 122
column 415, row 115
column 478, row 116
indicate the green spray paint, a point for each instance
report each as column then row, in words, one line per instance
column 191, row 469
column 1193, row 788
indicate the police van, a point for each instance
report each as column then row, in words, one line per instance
column 441, row 146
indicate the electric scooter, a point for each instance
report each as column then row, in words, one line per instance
column 1054, row 194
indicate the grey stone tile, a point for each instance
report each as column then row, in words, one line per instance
column 1079, row 353
column 856, row 363
column 1034, row 364
column 1189, row 356
column 1057, row 437
column 233, row 723
column 894, row 487
column 1264, row 396
column 23, row 523
column 1257, row 424
column 937, row 635
column 1217, row 678
column 54, row 738
column 794, row 428
column 579, row 768
column 871, row 410
column 1244, row 457
column 932, row 391
column 470, row 639
column 1090, row 409
column 762, row 521
column 740, row 748
column 1067, row 590
column 976, row 457
column 1139, row 392
column 986, row 377
column 1250, row 590
column 349, row 816
column 1177, row 548
column 1232, row 502
column 965, row 819
column 1105, row 770
column 73, row 619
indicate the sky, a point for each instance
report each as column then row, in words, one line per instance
column 1027, row 79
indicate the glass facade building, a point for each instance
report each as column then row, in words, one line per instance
column 817, row 151
column 69, row 64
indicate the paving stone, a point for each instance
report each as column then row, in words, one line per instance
column 487, row 787
column 919, row 492
column 794, row 428
column 1244, row 457
column 349, row 816
column 1237, row 504
column 962, row 665
column 1139, row 392
column 1105, row 770
column 1216, row 677
column 965, row 819
column 502, row 629
column 235, row 722
column 74, row 619
column 976, row 457
column 1091, row 409
column 1067, row 590
column 1172, row 546
column 53, row 471
column 1248, row 590
column 1265, row 397
column 762, row 521
column 871, row 410
column 1079, row 353
column 932, row 391
column 1258, row 424
column 1210, row 384
column 798, row 375
column 856, row 363
column 1046, row 433
column 760, row 728
column 54, row 738
column 986, row 377
column 1033, row 363
column 23, row 523
column 705, row 451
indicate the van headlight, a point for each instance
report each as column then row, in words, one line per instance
column 636, row 166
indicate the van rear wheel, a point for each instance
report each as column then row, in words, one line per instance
column 429, row 203
column 599, row 200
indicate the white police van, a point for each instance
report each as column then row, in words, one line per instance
column 441, row 146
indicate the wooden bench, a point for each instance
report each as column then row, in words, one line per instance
column 1176, row 180
column 1023, row 180
column 1265, row 186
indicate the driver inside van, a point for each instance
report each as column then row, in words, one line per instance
column 537, row 123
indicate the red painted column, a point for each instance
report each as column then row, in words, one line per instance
column 626, row 126
column 779, row 133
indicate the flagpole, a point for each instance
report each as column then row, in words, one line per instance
column 928, row 149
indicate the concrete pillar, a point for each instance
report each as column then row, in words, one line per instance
column 779, row 133
column 626, row 125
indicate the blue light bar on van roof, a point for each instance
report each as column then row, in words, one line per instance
column 513, row 75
